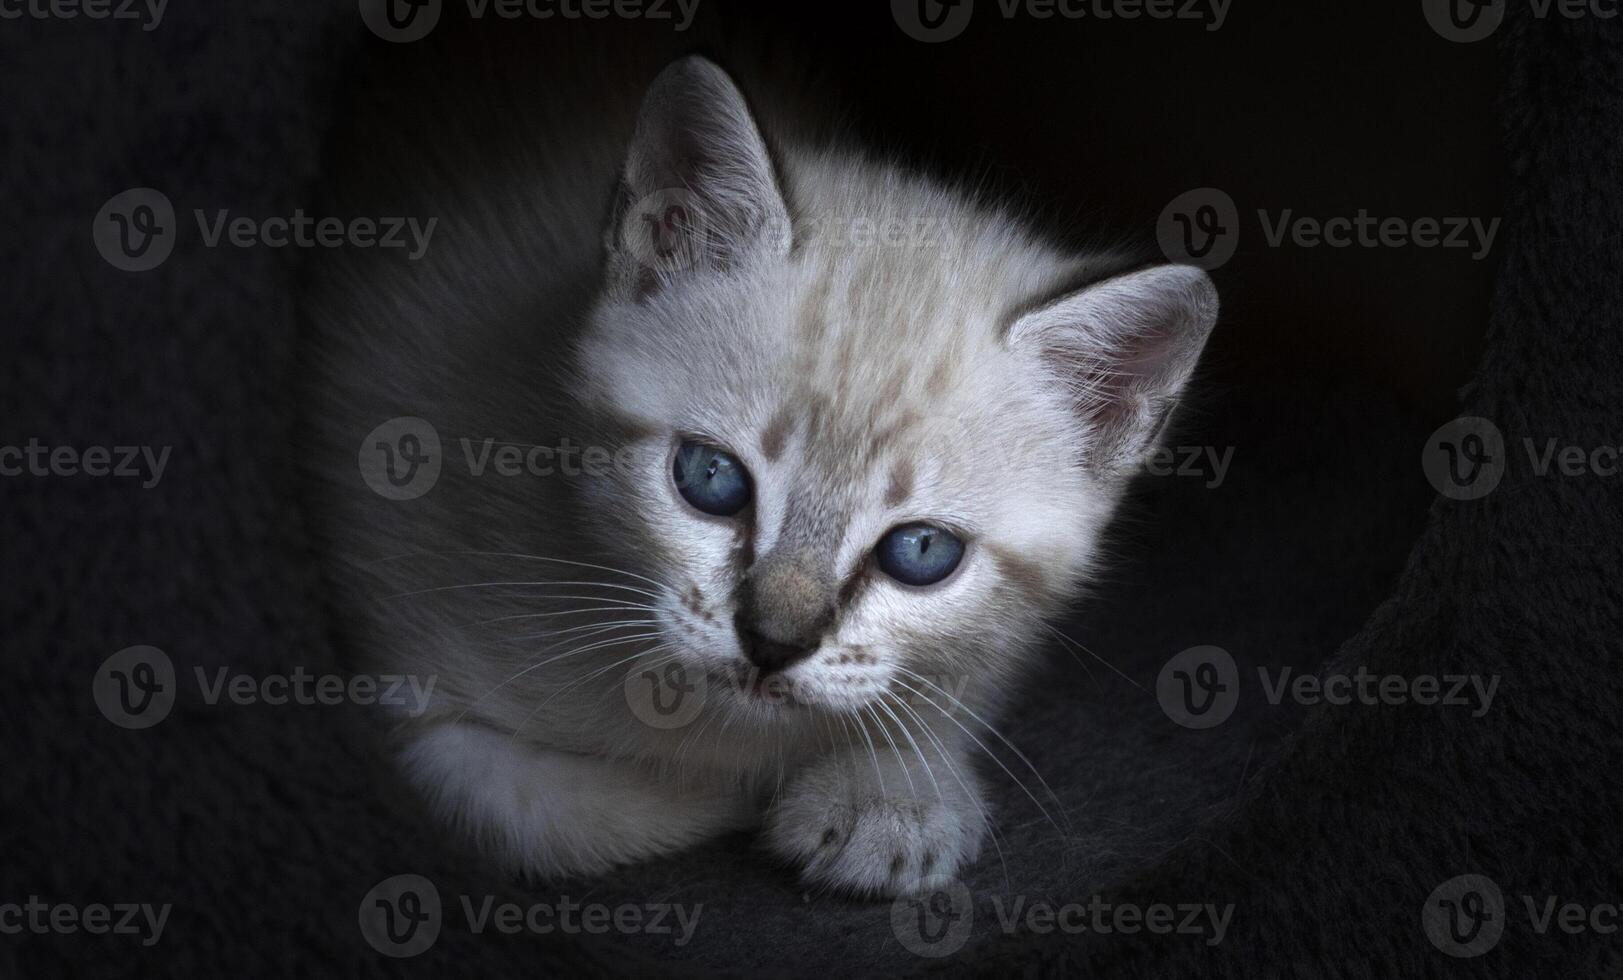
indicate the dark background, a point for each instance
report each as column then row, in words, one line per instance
column 264, row 826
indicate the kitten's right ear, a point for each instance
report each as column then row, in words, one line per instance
column 1123, row 349
column 698, row 191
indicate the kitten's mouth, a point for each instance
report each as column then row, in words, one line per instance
column 752, row 685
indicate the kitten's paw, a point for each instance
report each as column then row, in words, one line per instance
column 844, row 831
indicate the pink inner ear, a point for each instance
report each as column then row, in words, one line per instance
column 667, row 229
column 1124, row 349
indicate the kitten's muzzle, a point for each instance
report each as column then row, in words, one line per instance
column 770, row 655
column 785, row 604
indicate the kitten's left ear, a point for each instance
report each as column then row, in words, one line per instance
column 698, row 191
column 1124, row 349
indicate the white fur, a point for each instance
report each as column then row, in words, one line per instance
column 974, row 360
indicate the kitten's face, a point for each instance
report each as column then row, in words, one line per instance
column 934, row 386
column 855, row 412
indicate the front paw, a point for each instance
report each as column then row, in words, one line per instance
column 848, row 829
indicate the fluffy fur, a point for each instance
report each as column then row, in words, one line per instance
column 956, row 368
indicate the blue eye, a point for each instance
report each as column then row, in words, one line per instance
column 711, row 479
column 919, row 554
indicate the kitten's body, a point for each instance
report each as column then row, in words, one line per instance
column 951, row 372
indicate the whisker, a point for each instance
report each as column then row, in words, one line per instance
column 862, row 730
column 1079, row 646
column 522, row 557
column 536, row 666
column 912, row 790
column 952, row 770
column 567, row 612
column 928, row 771
column 491, row 585
column 993, row 730
column 1007, row 771
column 593, row 628
column 596, row 673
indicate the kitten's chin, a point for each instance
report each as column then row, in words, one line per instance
column 753, row 689
column 792, row 691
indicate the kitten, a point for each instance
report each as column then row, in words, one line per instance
column 842, row 478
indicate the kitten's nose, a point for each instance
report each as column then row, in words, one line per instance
column 770, row 655
column 785, row 604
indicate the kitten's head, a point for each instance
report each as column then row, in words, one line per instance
column 881, row 426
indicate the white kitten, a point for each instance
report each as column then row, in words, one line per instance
column 863, row 433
